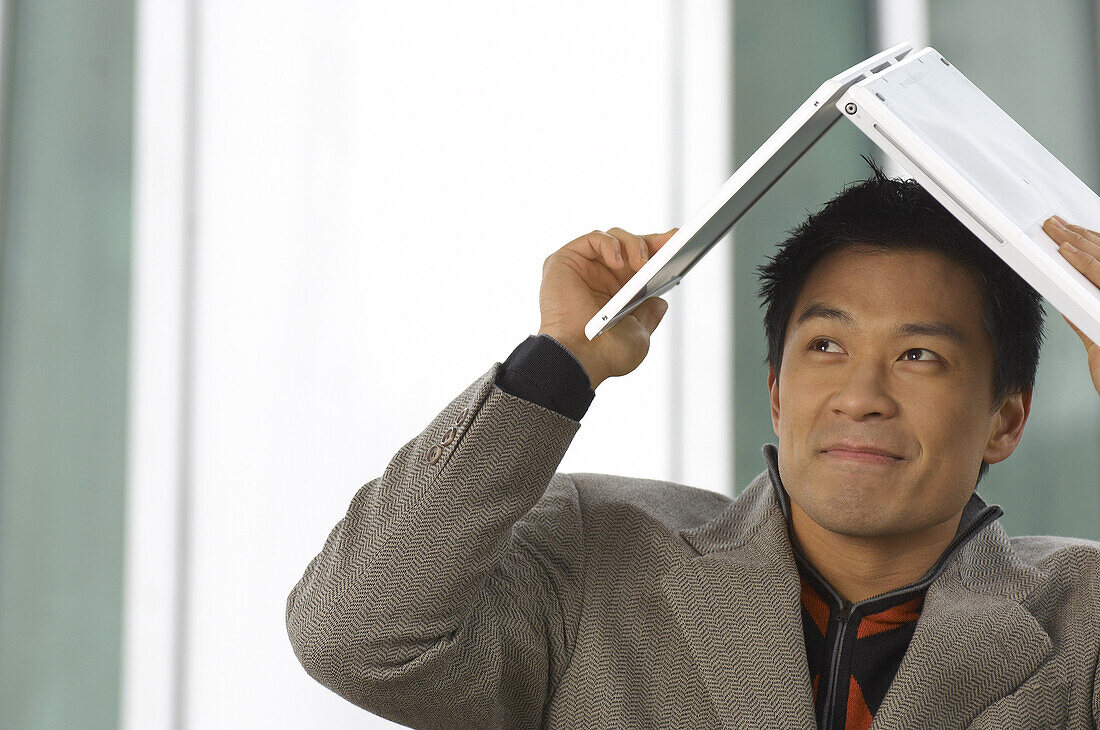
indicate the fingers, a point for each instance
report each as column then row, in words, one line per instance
column 636, row 247
column 598, row 246
column 645, row 246
column 1081, row 248
column 1078, row 245
column 1085, row 233
column 1083, row 260
column 656, row 240
column 619, row 250
column 1079, row 236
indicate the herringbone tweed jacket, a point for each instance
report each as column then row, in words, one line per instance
column 472, row 586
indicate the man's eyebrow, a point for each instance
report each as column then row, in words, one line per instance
column 817, row 309
column 944, row 330
column 932, row 329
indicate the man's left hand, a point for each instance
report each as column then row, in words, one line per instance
column 1080, row 247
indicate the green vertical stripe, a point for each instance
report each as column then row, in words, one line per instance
column 782, row 52
column 64, row 310
column 1037, row 61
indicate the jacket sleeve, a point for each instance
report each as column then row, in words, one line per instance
column 449, row 593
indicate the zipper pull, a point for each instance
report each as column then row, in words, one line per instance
column 844, row 613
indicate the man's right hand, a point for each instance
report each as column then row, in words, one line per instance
column 579, row 278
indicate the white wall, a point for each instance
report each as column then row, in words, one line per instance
column 373, row 188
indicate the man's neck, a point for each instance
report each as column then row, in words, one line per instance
column 863, row 567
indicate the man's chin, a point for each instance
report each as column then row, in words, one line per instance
column 854, row 513
column 852, row 526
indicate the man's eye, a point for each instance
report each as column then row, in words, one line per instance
column 823, row 345
column 919, row 354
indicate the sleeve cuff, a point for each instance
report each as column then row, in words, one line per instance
column 541, row 370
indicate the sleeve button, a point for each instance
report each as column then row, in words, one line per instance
column 462, row 416
column 448, row 437
column 434, row 453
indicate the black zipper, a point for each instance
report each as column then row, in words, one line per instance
column 842, row 617
column 846, row 610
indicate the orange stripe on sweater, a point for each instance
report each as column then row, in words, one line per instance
column 891, row 618
column 815, row 606
column 859, row 716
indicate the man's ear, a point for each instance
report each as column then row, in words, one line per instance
column 1007, row 426
column 773, row 394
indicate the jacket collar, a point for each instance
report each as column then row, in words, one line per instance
column 738, row 606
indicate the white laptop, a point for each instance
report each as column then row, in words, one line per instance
column 937, row 125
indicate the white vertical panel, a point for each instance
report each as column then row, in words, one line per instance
column 152, row 551
column 380, row 184
column 898, row 21
column 703, row 303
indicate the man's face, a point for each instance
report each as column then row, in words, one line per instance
column 885, row 352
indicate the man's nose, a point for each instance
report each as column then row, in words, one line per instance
column 865, row 392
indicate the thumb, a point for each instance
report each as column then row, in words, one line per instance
column 1089, row 344
column 651, row 312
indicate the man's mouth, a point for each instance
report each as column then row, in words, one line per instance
column 863, row 452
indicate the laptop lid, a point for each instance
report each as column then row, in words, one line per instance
column 984, row 168
column 750, row 181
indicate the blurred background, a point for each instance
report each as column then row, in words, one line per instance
column 249, row 249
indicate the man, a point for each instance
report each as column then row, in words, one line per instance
column 859, row 577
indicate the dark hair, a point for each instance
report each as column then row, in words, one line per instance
column 891, row 215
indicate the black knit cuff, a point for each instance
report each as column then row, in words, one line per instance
column 541, row 370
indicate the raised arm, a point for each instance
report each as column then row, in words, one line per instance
column 428, row 603
column 449, row 593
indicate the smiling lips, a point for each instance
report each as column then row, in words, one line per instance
column 856, row 451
